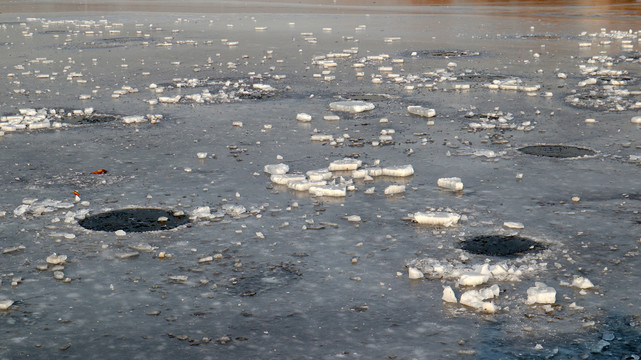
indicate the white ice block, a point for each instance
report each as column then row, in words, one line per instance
column 304, row 185
column 318, row 175
column 446, row 219
column 541, row 294
column 582, row 283
column 351, row 106
column 276, row 169
column 448, row 295
column 347, row 164
column 636, row 120
column 394, row 189
column 303, row 117
column 283, row 179
column 400, row 171
column 328, row 190
column 421, row 111
column 452, row 183
column 473, row 279
column 414, row 273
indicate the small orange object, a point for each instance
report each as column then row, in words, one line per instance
column 76, row 193
column 101, row 171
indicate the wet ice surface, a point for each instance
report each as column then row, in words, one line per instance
column 268, row 270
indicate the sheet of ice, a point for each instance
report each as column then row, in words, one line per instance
column 445, row 219
column 453, row 183
column 347, row 164
column 351, row 106
column 394, row 189
column 399, row 171
column 328, row 190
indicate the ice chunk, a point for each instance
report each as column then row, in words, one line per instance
column 448, row 295
column 304, row 185
column 636, row 120
column 452, row 183
column 322, row 137
column 201, row 212
column 318, row 175
column 283, row 179
column 353, row 218
column 414, row 273
column 276, row 169
column 446, row 219
column 21, row 210
column 55, row 259
column 513, row 225
column 351, row 106
column 474, row 299
column 132, row 119
column 303, row 117
column 582, row 283
column 394, row 189
column 541, row 294
column 400, row 171
column 121, row 233
column 169, row 99
column 421, row 111
column 5, row 304
column 328, row 190
column 346, row 164
column 234, row 210
column 473, row 279
column 201, row 155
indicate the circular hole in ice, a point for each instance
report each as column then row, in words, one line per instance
column 557, row 151
column 133, row 220
column 500, row 245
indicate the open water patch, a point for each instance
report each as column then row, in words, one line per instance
column 262, row 279
column 501, row 245
column 133, row 220
column 557, row 151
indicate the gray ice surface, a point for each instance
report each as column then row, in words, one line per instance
column 292, row 278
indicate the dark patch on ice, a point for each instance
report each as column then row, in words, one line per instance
column 47, row 32
column 603, row 98
column 539, row 37
column 262, row 279
column 367, row 97
column 439, row 53
column 88, row 119
column 557, row 151
column 485, row 78
column 133, row 220
column 500, row 245
column 111, row 43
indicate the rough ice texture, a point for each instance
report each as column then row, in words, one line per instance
column 399, row 171
column 513, row 225
column 421, row 111
column 351, row 106
column 283, row 179
column 452, row 183
column 304, row 185
column 5, row 304
column 636, row 120
column 448, row 295
column 394, row 189
column 541, row 294
column 328, row 190
column 446, row 219
column 276, row 169
column 346, row 164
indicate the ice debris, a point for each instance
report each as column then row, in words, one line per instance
column 276, row 169
column 351, row 106
column 475, row 299
column 448, row 295
column 414, row 273
column 55, row 259
column 445, row 219
column 6, row 304
column 541, row 294
column 394, row 189
column 421, row 111
column 453, row 183
column 582, row 283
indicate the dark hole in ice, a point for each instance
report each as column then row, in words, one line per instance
column 367, row 97
column 556, row 151
column 88, row 119
column 500, row 245
column 540, row 37
column 440, row 53
column 133, row 220
column 264, row 279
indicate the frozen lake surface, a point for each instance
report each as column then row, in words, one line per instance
column 456, row 181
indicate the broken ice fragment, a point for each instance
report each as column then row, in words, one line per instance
column 541, row 294
column 473, row 279
column 56, row 259
column 453, row 183
column 414, row 273
column 421, row 111
column 582, row 283
column 636, row 120
column 284, row 179
column 303, row 117
column 6, row 304
column 346, row 164
column 120, row 233
column 351, row 106
column 513, row 225
column 328, row 190
column 446, row 219
column 394, row 189
column 276, row 169
column 448, row 295
column 399, row 171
